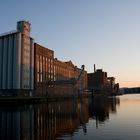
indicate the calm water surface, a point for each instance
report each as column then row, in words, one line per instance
column 100, row 118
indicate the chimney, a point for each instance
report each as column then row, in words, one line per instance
column 94, row 68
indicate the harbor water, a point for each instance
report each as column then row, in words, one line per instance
column 99, row 118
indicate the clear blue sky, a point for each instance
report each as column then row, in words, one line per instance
column 101, row 32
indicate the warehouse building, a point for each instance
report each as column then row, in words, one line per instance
column 17, row 60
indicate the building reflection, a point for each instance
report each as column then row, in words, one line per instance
column 49, row 121
column 60, row 118
column 43, row 121
column 15, row 124
column 101, row 106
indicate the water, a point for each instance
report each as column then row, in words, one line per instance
column 116, row 118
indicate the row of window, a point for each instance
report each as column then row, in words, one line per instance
column 45, row 79
column 46, row 68
column 46, row 64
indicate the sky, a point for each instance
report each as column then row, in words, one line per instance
column 101, row 32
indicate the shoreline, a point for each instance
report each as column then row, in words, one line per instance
column 20, row 100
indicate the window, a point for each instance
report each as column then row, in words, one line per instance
column 37, row 77
column 37, row 63
column 41, row 78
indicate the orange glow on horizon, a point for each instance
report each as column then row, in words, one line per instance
column 130, row 84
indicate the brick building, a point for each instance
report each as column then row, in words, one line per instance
column 99, row 82
column 52, row 75
column 43, row 68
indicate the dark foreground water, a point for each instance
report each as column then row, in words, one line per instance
column 88, row 119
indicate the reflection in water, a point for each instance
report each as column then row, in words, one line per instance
column 16, row 123
column 59, row 118
column 100, row 107
column 49, row 121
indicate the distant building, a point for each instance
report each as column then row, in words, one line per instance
column 98, row 81
column 17, row 60
column 130, row 90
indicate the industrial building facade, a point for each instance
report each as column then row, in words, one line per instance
column 52, row 76
column 27, row 67
column 99, row 82
column 17, row 60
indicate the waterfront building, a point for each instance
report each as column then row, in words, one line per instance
column 52, row 76
column 98, row 81
column 43, row 69
column 17, row 60
column 29, row 69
